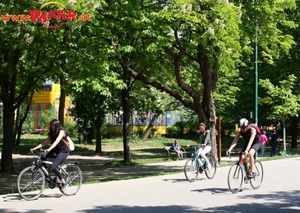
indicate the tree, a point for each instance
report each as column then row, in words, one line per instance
column 192, row 43
column 24, row 66
column 29, row 55
column 284, row 103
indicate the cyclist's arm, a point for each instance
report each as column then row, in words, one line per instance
column 44, row 143
column 253, row 133
column 58, row 139
column 234, row 142
column 207, row 138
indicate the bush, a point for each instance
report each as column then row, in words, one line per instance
column 46, row 117
column 173, row 132
column 28, row 125
column 71, row 129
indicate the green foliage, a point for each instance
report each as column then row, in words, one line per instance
column 177, row 130
column 28, row 125
column 282, row 99
column 71, row 129
column 173, row 132
column 46, row 117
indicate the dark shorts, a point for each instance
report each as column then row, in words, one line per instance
column 255, row 146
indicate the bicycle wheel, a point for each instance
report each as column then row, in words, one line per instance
column 235, row 178
column 259, row 175
column 191, row 169
column 31, row 183
column 210, row 173
column 73, row 177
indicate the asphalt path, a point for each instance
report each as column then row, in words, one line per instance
column 173, row 193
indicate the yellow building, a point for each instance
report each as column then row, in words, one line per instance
column 47, row 98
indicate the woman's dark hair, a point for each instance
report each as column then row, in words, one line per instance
column 57, row 127
column 202, row 124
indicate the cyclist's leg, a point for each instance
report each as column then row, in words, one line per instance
column 243, row 155
column 199, row 150
column 251, row 155
column 203, row 155
column 58, row 160
column 251, row 158
column 44, row 157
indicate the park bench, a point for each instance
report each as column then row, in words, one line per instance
column 186, row 151
column 170, row 152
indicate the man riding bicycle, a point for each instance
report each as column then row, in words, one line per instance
column 252, row 143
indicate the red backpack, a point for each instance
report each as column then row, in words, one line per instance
column 258, row 131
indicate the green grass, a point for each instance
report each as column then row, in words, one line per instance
column 143, row 152
column 110, row 147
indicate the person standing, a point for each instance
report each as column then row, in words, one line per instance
column 274, row 138
column 58, row 149
column 205, row 143
column 263, row 142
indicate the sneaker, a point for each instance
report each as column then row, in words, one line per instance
column 64, row 186
column 251, row 175
column 208, row 167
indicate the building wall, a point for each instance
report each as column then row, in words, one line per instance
column 48, row 99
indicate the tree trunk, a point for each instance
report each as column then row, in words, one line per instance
column 16, row 127
column 126, row 126
column 284, row 135
column 20, row 124
column 150, row 127
column 89, row 135
column 294, row 129
column 62, row 100
column 209, row 80
column 98, row 125
column 8, row 138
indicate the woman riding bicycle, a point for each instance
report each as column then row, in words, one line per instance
column 205, row 143
column 59, row 148
column 252, row 143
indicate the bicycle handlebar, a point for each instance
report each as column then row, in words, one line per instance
column 240, row 153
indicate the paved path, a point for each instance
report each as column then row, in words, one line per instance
column 172, row 193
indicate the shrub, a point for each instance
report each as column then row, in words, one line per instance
column 28, row 125
column 173, row 132
column 46, row 117
column 71, row 129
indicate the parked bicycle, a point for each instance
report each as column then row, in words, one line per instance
column 32, row 180
column 238, row 174
column 196, row 165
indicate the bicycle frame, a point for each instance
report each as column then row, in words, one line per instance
column 237, row 174
column 202, row 163
column 31, row 180
column 39, row 164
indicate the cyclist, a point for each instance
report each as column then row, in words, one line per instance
column 59, row 149
column 205, row 143
column 252, row 143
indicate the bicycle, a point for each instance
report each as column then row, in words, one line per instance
column 196, row 165
column 238, row 173
column 31, row 180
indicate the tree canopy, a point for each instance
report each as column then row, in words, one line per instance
column 198, row 52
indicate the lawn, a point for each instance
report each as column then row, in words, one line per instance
column 142, row 152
